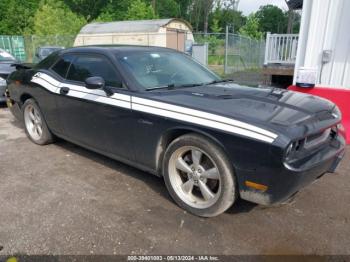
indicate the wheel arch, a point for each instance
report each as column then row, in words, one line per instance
column 173, row 133
column 24, row 97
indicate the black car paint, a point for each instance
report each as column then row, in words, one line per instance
column 140, row 139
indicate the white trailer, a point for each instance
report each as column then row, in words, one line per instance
column 324, row 43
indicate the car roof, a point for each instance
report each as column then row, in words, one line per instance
column 117, row 49
column 47, row 47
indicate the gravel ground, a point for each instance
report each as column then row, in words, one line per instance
column 63, row 199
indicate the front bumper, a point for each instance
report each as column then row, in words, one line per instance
column 286, row 181
column 13, row 106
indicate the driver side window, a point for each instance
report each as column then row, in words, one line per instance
column 87, row 66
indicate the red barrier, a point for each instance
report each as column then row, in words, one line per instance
column 339, row 96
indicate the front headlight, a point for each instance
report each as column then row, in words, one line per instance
column 336, row 112
column 293, row 147
column 289, row 149
column 2, row 81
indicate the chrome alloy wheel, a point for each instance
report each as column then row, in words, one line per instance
column 194, row 177
column 33, row 122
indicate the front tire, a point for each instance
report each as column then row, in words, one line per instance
column 34, row 123
column 199, row 176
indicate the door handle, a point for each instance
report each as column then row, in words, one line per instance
column 64, row 90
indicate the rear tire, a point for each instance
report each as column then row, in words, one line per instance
column 199, row 176
column 35, row 125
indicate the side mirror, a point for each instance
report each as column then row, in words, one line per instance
column 95, row 82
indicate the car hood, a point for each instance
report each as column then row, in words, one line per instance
column 6, row 68
column 269, row 107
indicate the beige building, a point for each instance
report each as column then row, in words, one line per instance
column 171, row 33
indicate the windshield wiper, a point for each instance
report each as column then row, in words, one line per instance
column 173, row 86
column 219, row 81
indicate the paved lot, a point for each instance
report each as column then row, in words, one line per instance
column 63, row 199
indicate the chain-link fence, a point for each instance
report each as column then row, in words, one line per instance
column 232, row 53
column 14, row 45
column 33, row 42
column 229, row 55
column 24, row 48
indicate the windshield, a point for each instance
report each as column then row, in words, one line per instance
column 4, row 56
column 162, row 69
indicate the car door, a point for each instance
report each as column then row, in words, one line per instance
column 91, row 117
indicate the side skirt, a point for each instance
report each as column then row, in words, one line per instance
column 114, row 157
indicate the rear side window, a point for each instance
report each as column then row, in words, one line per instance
column 88, row 66
column 47, row 62
column 62, row 65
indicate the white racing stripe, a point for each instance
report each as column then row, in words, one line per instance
column 157, row 108
column 77, row 91
column 47, row 78
column 78, row 88
column 45, row 84
column 200, row 114
column 201, row 121
column 99, row 99
column 96, row 92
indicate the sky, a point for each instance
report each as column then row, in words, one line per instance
column 249, row 6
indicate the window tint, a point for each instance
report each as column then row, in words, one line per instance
column 48, row 61
column 88, row 66
column 62, row 65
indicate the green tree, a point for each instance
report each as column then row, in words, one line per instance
column 167, row 9
column 214, row 20
column 114, row 11
column 251, row 28
column 207, row 9
column 215, row 27
column 126, row 10
column 16, row 16
column 140, row 10
column 231, row 17
column 172, row 8
column 55, row 18
column 293, row 24
column 225, row 14
column 90, row 9
column 296, row 23
column 106, row 16
column 199, row 14
column 272, row 19
column 184, row 6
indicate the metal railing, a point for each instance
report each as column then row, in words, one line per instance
column 281, row 48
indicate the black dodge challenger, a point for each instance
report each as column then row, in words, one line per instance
column 156, row 109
